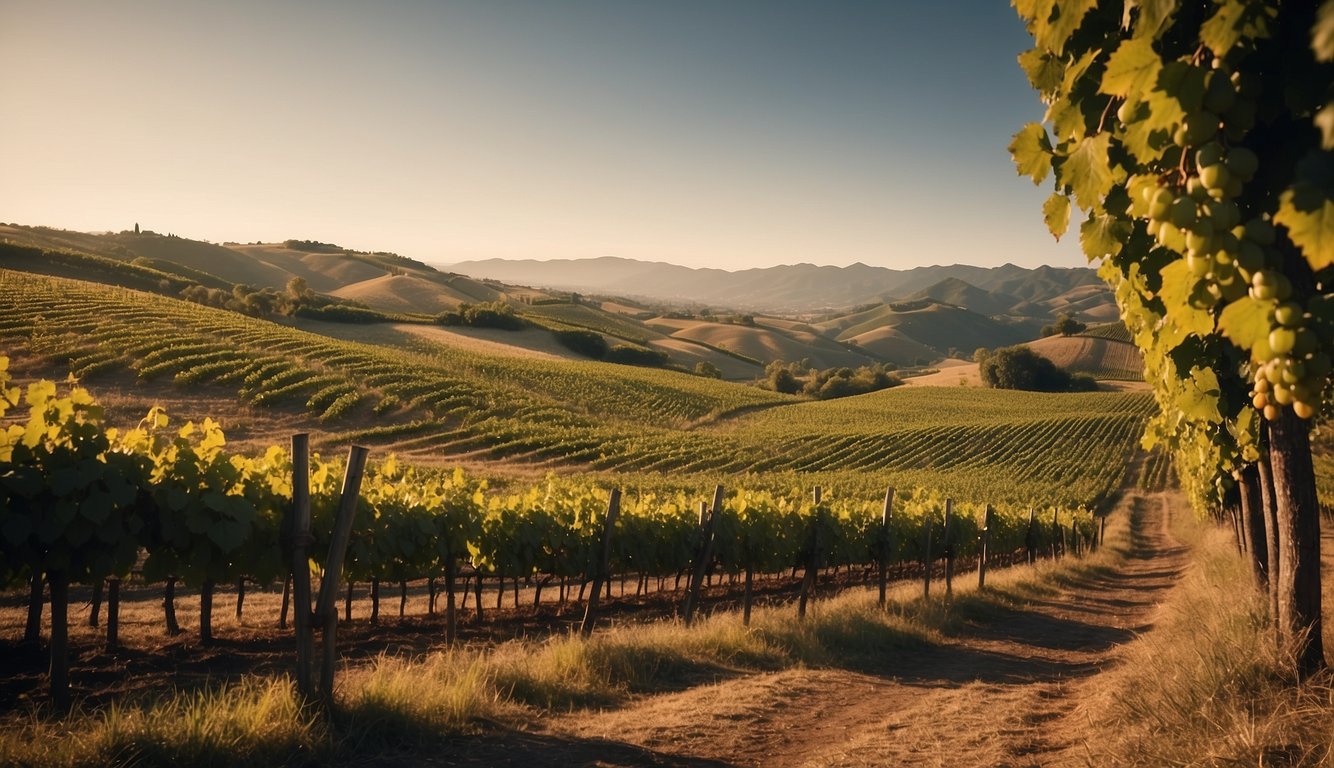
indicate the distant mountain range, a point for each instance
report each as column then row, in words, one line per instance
column 737, row 322
column 1008, row 290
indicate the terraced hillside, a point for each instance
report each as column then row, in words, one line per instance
column 433, row 402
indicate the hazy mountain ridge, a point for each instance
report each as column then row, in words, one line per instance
column 799, row 287
column 736, row 321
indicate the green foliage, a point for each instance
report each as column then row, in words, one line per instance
column 491, row 314
column 564, row 316
column 587, row 343
column 1021, row 368
column 1065, row 325
column 341, row 313
column 69, row 500
column 1191, row 136
column 629, row 354
column 708, row 370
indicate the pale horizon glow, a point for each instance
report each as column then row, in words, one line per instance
column 732, row 135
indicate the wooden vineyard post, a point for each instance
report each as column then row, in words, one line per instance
column 1055, row 534
column 602, row 565
column 947, row 547
column 96, row 608
column 1102, row 530
column 886, row 542
column 287, row 599
column 325, row 611
column 708, row 520
column 59, row 671
column 1031, row 538
column 983, row 548
column 299, row 576
column 113, row 613
column 926, row 558
column 169, row 606
column 813, row 558
column 451, row 612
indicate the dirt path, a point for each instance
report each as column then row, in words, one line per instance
column 1002, row 692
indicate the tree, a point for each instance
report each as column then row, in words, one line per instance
column 1021, row 368
column 1195, row 136
column 298, row 289
column 708, row 370
column 1065, row 325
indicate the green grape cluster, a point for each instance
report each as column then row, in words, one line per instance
column 1195, row 211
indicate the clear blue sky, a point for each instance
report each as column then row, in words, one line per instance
column 700, row 132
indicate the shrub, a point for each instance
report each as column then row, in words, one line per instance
column 586, row 343
column 341, row 313
column 626, row 354
column 1019, row 367
column 708, row 370
column 492, row 314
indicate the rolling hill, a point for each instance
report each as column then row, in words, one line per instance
column 928, row 323
column 790, row 288
column 948, row 309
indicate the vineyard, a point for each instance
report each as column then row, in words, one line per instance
column 432, row 403
column 579, row 476
column 86, row 502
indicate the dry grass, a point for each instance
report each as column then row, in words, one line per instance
column 1205, row 686
column 1175, row 699
column 253, row 723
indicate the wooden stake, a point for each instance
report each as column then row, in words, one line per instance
column 32, row 632
column 96, row 608
column 59, row 670
column 602, row 564
column 926, row 558
column 299, row 575
column 169, row 606
column 287, row 599
column 886, row 542
column 342, row 533
column 947, row 546
column 703, row 554
column 113, row 613
column 813, row 558
column 451, row 615
column 1031, row 538
column 333, row 570
column 983, row 549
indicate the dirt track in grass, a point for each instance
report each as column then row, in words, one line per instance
column 1001, row 690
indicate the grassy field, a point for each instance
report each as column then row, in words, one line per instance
column 436, row 403
column 655, row 433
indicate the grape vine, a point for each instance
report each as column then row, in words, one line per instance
column 1195, row 136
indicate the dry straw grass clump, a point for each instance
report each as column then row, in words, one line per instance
column 1206, row 686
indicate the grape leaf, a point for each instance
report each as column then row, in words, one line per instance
column 1324, row 120
column 1178, row 285
column 1053, row 25
column 1153, row 16
column 1102, row 235
column 1031, row 150
column 1308, row 214
column 1133, row 68
column 96, row 507
column 1045, row 72
column 1234, row 21
column 1087, row 171
column 1076, row 69
column 1056, row 212
column 1246, row 322
column 15, row 529
column 1198, row 399
column 1322, row 36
